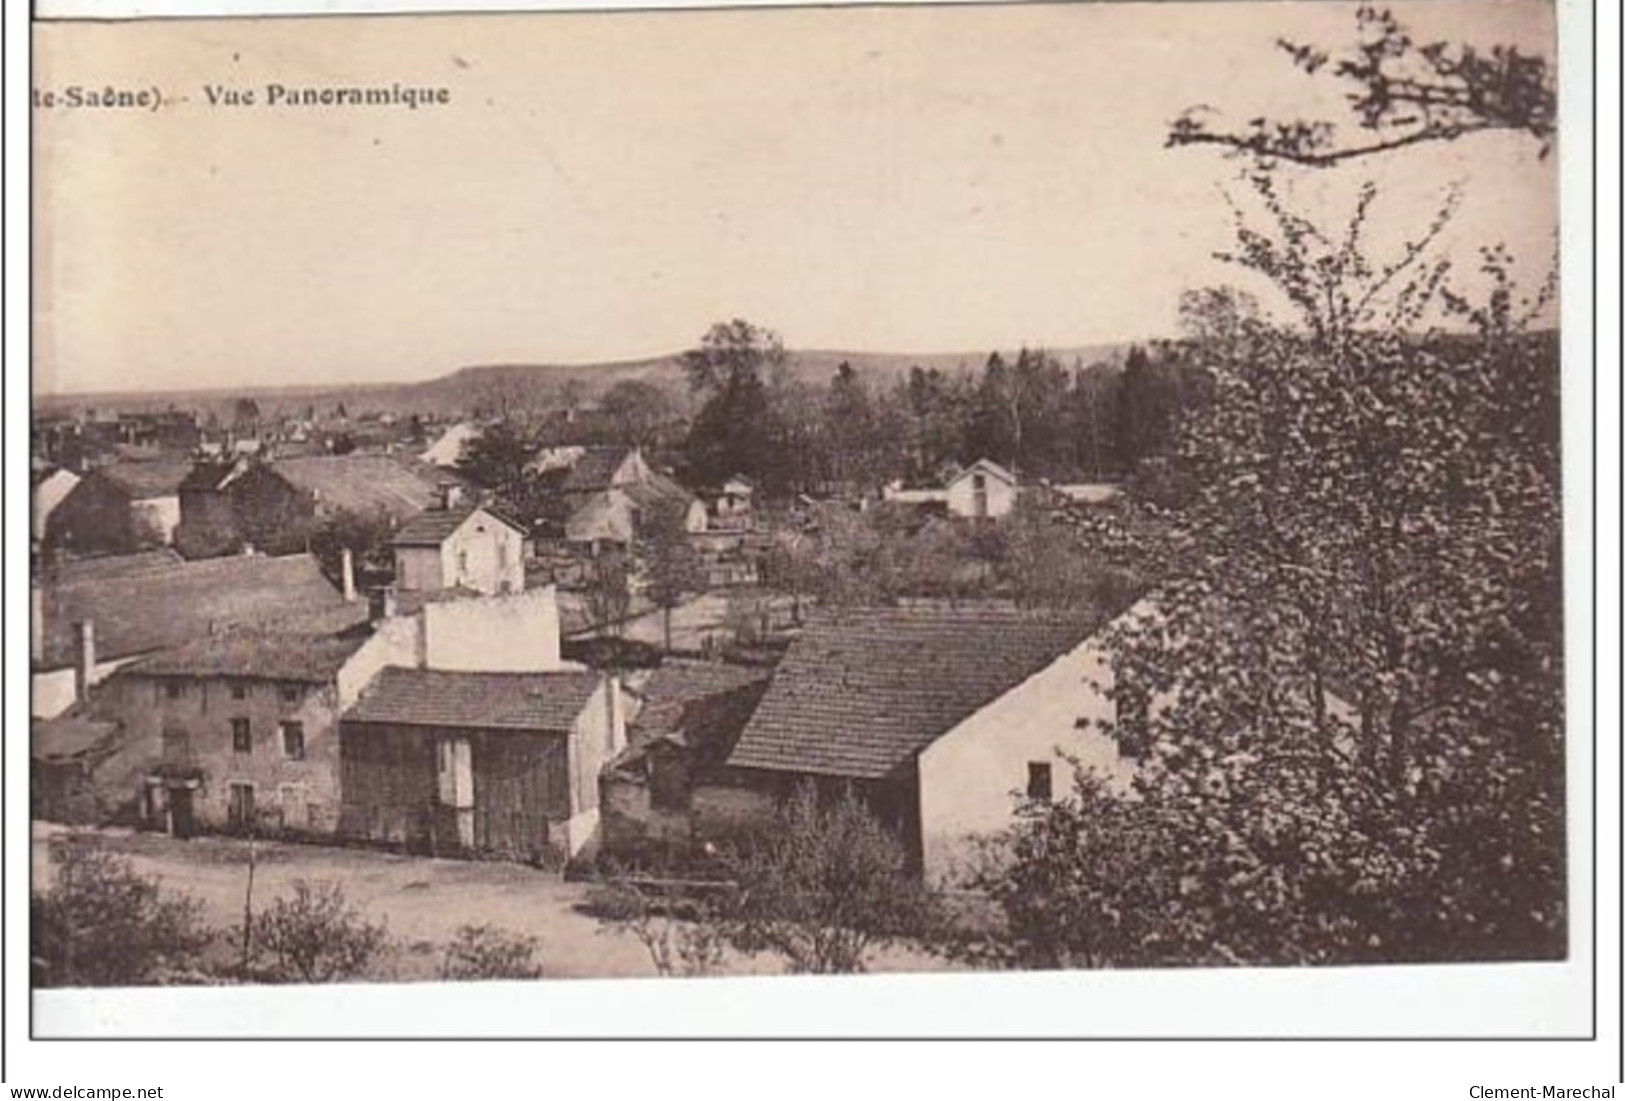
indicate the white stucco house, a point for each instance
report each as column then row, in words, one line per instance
column 469, row 547
column 943, row 718
column 983, row 490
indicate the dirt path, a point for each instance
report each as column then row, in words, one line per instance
column 423, row 901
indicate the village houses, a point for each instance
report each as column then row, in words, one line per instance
column 119, row 508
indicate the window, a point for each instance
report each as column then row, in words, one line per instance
column 462, row 564
column 242, row 738
column 1040, row 781
column 290, row 693
column 293, row 741
column 239, row 690
column 173, row 689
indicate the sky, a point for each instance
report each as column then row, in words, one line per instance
column 605, row 186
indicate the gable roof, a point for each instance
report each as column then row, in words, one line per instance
column 146, row 480
column 860, row 691
column 148, row 610
column 484, row 701
column 110, row 566
column 76, row 733
column 261, row 654
column 365, row 484
column 435, row 526
column 701, row 704
column 984, row 466
column 596, row 469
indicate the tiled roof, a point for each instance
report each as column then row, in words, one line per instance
column 704, row 705
column 365, row 484
column 150, row 610
column 207, row 476
column 862, row 690
column 108, row 567
column 145, row 480
column 678, row 681
column 71, row 734
column 656, row 492
column 431, row 528
column 595, row 469
column 267, row 655
column 484, row 701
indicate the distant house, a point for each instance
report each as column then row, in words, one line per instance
column 982, row 490
column 613, row 517
column 729, row 505
column 940, row 718
column 671, row 786
column 229, row 507
column 447, row 451
column 91, row 618
column 49, row 492
column 272, row 506
column 606, row 490
column 119, row 508
column 595, row 469
column 471, row 547
column 460, row 762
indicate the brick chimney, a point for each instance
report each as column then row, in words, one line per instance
column 84, row 655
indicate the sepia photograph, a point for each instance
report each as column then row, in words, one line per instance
column 755, row 494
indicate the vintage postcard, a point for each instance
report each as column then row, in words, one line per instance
column 1042, row 505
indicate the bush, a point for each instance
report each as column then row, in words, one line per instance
column 102, row 924
column 314, row 937
column 486, row 952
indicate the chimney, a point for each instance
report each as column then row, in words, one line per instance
column 84, row 667
column 347, row 570
column 36, row 622
column 451, row 496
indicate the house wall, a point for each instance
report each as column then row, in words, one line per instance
column 420, row 569
column 484, row 555
column 397, row 789
column 97, row 517
column 518, row 633
column 160, row 515
column 47, row 495
column 207, row 527
column 598, row 734
column 396, row 641
column 194, row 729
column 1001, row 495
column 53, row 691
column 972, row 778
column 389, row 782
column 274, row 516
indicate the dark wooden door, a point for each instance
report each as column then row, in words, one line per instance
column 182, row 818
